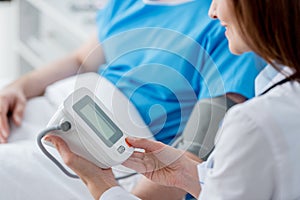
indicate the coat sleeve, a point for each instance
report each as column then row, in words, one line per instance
column 242, row 163
column 117, row 193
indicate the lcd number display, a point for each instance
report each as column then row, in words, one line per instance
column 98, row 121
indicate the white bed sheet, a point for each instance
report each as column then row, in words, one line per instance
column 25, row 173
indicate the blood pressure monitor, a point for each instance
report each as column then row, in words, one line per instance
column 95, row 134
column 95, row 130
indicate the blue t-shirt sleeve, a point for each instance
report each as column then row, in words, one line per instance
column 165, row 65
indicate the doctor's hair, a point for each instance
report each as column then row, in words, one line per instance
column 271, row 29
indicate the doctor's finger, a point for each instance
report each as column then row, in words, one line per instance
column 67, row 155
column 136, row 162
column 83, row 168
column 143, row 162
column 148, row 145
column 155, row 151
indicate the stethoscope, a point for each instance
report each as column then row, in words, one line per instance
column 277, row 84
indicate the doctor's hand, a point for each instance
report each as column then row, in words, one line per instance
column 164, row 165
column 96, row 179
column 12, row 104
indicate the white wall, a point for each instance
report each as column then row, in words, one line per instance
column 7, row 68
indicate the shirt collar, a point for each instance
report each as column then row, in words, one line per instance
column 270, row 76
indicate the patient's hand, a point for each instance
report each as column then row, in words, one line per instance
column 12, row 103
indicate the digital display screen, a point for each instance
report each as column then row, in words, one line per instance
column 98, row 121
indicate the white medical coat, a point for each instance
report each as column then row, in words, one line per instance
column 257, row 154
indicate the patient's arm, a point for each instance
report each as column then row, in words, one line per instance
column 87, row 58
column 14, row 96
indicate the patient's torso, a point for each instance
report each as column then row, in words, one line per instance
column 165, row 58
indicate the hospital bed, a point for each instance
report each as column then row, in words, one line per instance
column 25, row 173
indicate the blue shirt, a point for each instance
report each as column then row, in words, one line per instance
column 166, row 58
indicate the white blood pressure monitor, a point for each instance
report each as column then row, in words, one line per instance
column 96, row 133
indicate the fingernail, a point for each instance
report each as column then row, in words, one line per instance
column 127, row 142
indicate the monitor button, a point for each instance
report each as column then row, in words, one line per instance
column 121, row 149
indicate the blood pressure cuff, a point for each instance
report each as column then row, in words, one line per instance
column 199, row 134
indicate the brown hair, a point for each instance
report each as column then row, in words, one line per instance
column 271, row 29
